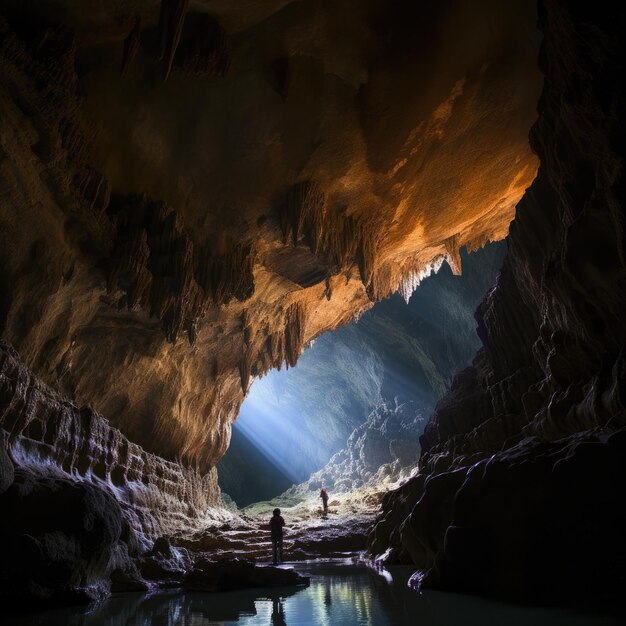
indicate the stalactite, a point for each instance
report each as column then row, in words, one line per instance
column 453, row 254
column 270, row 348
column 192, row 330
column 244, row 372
column 203, row 48
column 265, row 357
column 156, row 263
column 226, row 276
column 540, row 412
column 275, row 347
column 295, row 322
column 301, row 214
column 230, row 275
column 248, row 330
column 340, row 239
column 328, row 290
column 131, row 45
column 172, row 270
column 366, row 260
column 171, row 20
column 406, row 279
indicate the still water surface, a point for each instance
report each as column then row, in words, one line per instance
column 341, row 594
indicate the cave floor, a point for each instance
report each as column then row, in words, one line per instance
column 308, row 534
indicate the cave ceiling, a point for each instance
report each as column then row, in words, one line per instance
column 192, row 191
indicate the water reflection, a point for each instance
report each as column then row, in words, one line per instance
column 278, row 613
column 341, row 594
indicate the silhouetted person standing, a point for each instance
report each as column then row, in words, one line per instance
column 324, row 497
column 276, row 524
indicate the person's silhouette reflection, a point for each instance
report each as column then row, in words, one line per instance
column 278, row 614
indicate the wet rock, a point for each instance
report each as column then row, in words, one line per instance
column 163, row 548
column 156, row 569
column 128, row 580
column 164, row 563
column 230, row 574
column 61, row 540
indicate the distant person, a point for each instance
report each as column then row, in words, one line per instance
column 276, row 524
column 324, row 497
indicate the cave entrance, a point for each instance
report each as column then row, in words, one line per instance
column 351, row 412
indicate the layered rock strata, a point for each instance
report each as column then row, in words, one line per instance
column 521, row 479
column 79, row 501
column 46, row 434
column 192, row 192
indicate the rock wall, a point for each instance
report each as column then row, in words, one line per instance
column 522, row 472
column 46, row 435
column 191, row 193
column 80, row 502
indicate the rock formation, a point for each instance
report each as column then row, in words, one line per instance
column 45, row 433
column 378, row 453
column 80, row 501
column 522, row 471
column 252, row 178
column 396, row 353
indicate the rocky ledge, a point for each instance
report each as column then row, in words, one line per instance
column 227, row 575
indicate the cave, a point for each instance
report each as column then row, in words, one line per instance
column 250, row 251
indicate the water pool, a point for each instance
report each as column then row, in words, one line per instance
column 341, row 594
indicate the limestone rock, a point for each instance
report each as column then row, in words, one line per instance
column 377, row 453
column 47, row 434
column 164, row 563
column 522, row 463
column 165, row 242
column 395, row 354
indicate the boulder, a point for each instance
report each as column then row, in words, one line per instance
column 231, row 574
column 164, row 563
column 61, row 541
